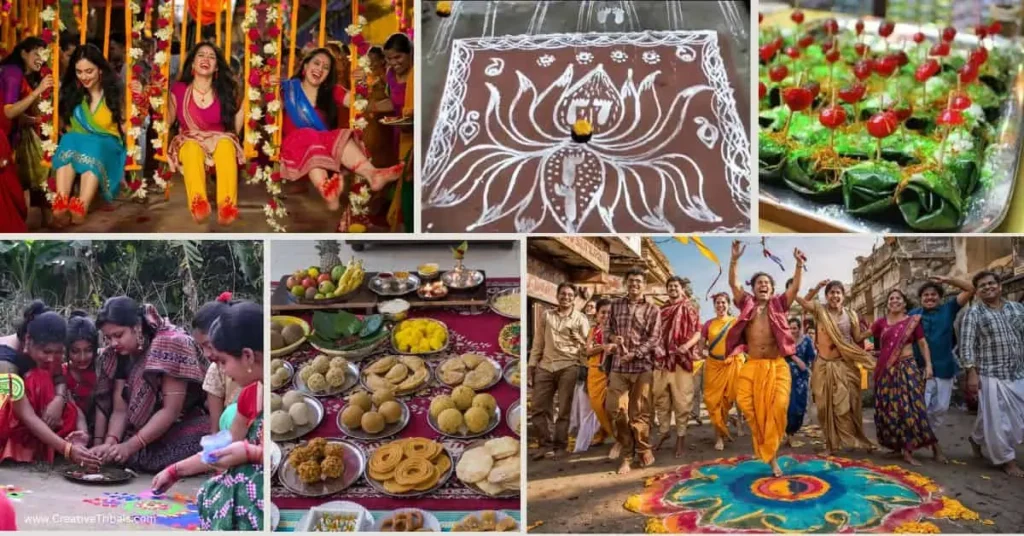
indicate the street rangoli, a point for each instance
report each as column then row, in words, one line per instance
column 668, row 151
column 175, row 511
column 814, row 495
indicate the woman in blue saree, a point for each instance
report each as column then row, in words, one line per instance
column 92, row 108
column 312, row 144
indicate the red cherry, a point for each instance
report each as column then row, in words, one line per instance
column 827, row 45
column 939, row 49
column 793, row 52
column 926, row 70
column 902, row 114
column 761, row 90
column 981, row 31
column 860, row 49
column 886, row 66
column 832, row 116
column 797, row 98
column 760, row 18
column 979, row 56
column 797, row 16
column 805, row 41
column 831, row 26
column 778, row 43
column 950, row 117
column 901, row 58
column 995, row 28
column 862, row 69
column 832, row 56
column 814, row 88
column 766, row 53
column 960, row 102
column 948, row 33
column 852, row 94
column 882, row 124
column 919, row 38
column 968, row 73
column 859, row 27
column 886, row 28
column 778, row 73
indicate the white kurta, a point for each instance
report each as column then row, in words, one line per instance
column 999, row 427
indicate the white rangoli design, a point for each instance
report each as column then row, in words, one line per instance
column 619, row 56
column 522, row 168
column 546, row 60
column 496, row 67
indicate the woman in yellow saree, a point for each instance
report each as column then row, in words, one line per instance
column 720, row 370
column 835, row 378
column 597, row 379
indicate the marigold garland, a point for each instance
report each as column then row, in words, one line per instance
column 917, row 527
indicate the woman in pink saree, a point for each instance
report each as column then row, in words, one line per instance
column 205, row 104
column 312, row 144
column 901, row 415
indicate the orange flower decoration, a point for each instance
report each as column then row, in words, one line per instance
column 200, row 208
column 228, row 212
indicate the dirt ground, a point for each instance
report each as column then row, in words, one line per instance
column 583, row 493
column 45, row 500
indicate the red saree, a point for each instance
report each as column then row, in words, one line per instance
column 21, row 445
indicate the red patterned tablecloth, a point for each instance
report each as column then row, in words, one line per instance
column 477, row 333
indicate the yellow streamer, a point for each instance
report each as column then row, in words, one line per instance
column 228, row 30
column 277, row 89
column 293, row 28
column 706, row 252
column 216, row 10
column 250, row 152
column 199, row 21
column 323, row 22
column 106, row 30
column 353, row 65
column 83, row 25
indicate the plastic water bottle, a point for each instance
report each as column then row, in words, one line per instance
column 213, row 443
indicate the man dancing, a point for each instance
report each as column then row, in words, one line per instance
column 673, row 367
column 762, row 331
column 635, row 329
column 992, row 337
column 553, row 367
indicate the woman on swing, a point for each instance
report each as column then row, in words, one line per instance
column 311, row 142
column 92, row 109
column 205, row 105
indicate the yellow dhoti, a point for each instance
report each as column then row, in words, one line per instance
column 835, row 384
column 762, row 394
column 720, row 379
column 597, row 391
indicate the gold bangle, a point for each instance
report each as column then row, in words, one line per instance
column 67, row 449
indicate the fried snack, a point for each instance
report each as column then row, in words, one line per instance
column 421, row 447
column 378, row 383
column 386, row 458
column 381, row 396
column 453, row 365
column 352, row 416
column 372, row 422
column 414, row 381
column 332, row 467
column 505, row 470
column 403, row 522
column 414, row 472
column 463, row 397
column 391, row 411
column 506, row 525
column 480, row 377
column 309, row 472
column 334, row 450
column 443, row 463
column 391, row 486
column 452, row 377
column 397, row 373
column 450, row 421
column 439, row 404
column 299, row 455
column 489, row 488
column 382, row 365
column 486, row 401
column 477, row 419
column 316, row 446
column 486, row 521
column 514, row 378
column 502, row 447
column 414, row 363
column 474, row 465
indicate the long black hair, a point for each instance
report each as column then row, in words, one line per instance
column 224, row 83
column 27, row 44
column 210, row 312
column 82, row 328
column 239, row 327
column 325, row 93
column 34, row 309
column 47, row 328
column 399, row 42
column 72, row 92
column 125, row 312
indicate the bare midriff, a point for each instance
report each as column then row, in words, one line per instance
column 761, row 343
column 826, row 347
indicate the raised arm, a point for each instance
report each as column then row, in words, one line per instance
column 807, row 302
column 966, row 288
column 737, row 288
column 794, row 287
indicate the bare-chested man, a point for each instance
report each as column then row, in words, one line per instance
column 762, row 332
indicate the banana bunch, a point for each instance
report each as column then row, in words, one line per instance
column 352, row 278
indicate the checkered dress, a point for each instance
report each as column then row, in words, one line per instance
column 993, row 341
column 640, row 325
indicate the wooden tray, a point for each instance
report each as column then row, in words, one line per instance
column 364, row 298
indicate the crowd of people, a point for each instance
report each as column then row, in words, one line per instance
column 143, row 399
column 206, row 118
column 642, row 364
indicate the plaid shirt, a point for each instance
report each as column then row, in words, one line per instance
column 993, row 341
column 640, row 324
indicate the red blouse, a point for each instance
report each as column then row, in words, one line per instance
column 249, row 401
column 81, row 389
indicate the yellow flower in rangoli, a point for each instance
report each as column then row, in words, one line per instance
column 917, row 527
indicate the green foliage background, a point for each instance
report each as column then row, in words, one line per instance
column 177, row 276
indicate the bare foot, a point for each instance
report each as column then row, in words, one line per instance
column 909, row 458
column 646, row 459
column 559, row 453
column 540, row 454
column 939, row 456
column 975, row 446
column 624, row 467
column 719, row 444
column 615, row 452
column 680, row 447
column 382, row 177
column 1011, row 468
column 661, row 441
column 696, row 419
column 787, row 441
column 776, row 470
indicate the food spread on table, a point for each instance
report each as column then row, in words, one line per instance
column 492, row 467
column 463, row 413
column 486, row 521
column 892, row 124
column 400, row 374
column 325, row 374
column 411, row 464
column 472, row 370
column 420, row 336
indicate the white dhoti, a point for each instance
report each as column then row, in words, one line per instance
column 999, row 427
column 937, row 393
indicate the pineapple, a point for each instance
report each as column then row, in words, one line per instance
column 330, row 252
